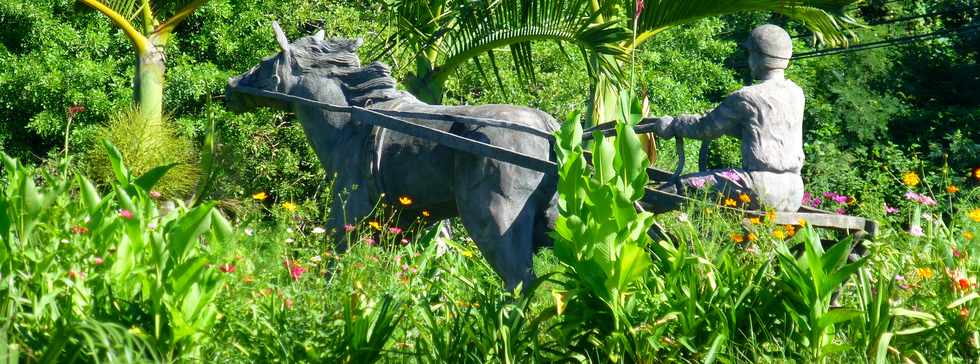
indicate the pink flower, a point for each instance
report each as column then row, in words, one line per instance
column 923, row 199
column 370, row 241
column 289, row 303
column 698, row 182
column 830, row 195
column 155, row 194
column 348, row 228
column 807, row 198
column 404, row 241
column 841, row 199
column 916, row 231
column 395, row 230
column 730, row 174
column 295, row 270
column 890, row 210
column 227, row 268
column 816, row 202
column 126, row 214
column 841, row 211
column 98, row 261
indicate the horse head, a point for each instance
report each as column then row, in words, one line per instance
column 310, row 67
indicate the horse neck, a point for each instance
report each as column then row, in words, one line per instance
column 335, row 139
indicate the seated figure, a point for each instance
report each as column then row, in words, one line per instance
column 767, row 117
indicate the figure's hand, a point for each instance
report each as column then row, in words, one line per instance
column 661, row 126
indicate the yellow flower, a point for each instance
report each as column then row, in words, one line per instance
column 802, row 221
column 975, row 215
column 911, row 179
column 426, row 213
column 952, row 189
column 289, row 206
column 730, row 202
column 405, row 200
column 925, row 273
column 752, row 237
column 744, row 198
column 779, row 234
column 467, row 253
column 261, row 196
column 976, row 173
column 771, row 215
column 738, row 238
column 755, row 220
column 374, row 225
column 968, row 235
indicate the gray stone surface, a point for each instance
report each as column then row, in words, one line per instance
column 507, row 210
column 767, row 117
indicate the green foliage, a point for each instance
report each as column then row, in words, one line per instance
column 104, row 277
column 144, row 146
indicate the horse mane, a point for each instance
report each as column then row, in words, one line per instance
column 337, row 58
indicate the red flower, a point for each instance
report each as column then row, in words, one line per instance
column 75, row 110
column 227, row 268
column 963, row 283
column 295, row 270
column 78, row 229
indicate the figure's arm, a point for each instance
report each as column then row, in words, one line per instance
column 726, row 119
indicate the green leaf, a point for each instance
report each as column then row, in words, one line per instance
column 970, row 297
column 118, row 167
column 881, row 348
column 151, row 177
column 837, row 316
column 90, row 196
column 222, row 228
column 182, row 235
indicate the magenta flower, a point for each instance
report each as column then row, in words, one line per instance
column 922, row 199
column 841, row 199
column 807, row 198
column 126, row 214
column 816, row 202
column 395, row 230
column 370, row 241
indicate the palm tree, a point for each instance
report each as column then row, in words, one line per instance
column 441, row 35
column 149, row 37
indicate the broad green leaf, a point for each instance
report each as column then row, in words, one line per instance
column 222, row 228
column 837, row 316
column 881, row 348
column 183, row 234
column 90, row 195
column 970, row 297
column 151, row 177
column 118, row 167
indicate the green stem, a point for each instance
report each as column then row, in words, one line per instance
column 148, row 85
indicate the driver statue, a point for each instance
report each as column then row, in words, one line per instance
column 767, row 117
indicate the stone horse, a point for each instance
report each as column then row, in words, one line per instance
column 506, row 209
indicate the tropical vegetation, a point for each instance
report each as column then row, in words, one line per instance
column 103, row 259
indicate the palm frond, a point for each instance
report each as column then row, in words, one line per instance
column 124, row 13
column 824, row 17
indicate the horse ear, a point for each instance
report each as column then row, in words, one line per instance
column 319, row 35
column 280, row 37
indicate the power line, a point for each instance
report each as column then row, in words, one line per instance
column 880, row 44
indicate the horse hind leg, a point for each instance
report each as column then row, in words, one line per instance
column 500, row 220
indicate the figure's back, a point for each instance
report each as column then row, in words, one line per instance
column 773, row 138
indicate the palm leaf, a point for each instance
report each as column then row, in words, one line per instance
column 824, row 17
column 124, row 13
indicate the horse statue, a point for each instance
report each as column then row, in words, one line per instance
column 506, row 209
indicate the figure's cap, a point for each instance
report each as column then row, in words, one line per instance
column 773, row 42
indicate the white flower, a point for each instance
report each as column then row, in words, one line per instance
column 152, row 225
column 289, row 240
column 65, row 241
column 289, row 230
column 315, row 259
column 682, row 217
column 319, row 230
column 249, row 231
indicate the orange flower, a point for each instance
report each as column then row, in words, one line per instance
column 964, row 312
column 405, row 200
column 952, row 189
column 738, row 238
column 963, row 284
column 790, row 230
column 744, row 198
column 752, row 237
column 730, row 202
column 976, row 173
